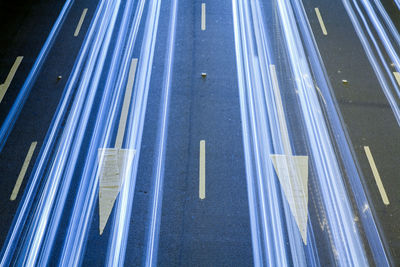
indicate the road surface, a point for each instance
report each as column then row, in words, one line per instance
column 199, row 133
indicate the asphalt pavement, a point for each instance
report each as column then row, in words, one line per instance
column 205, row 207
column 28, row 26
column 367, row 115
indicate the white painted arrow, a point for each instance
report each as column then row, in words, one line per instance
column 292, row 171
column 114, row 161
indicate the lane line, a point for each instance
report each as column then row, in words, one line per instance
column 377, row 177
column 397, row 76
column 281, row 114
column 78, row 27
column 203, row 16
column 22, row 173
column 321, row 22
column 202, row 170
column 113, row 161
column 292, row 170
column 10, row 77
column 125, row 105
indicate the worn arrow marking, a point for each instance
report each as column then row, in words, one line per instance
column 292, row 171
column 114, row 161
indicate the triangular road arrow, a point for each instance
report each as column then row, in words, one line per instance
column 292, row 172
column 113, row 162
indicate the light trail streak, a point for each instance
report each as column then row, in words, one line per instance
column 343, row 145
column 87, row 55
column 40, row 231
column 158, row 176
column 387, row 44
column 120, row 228
column 45, row 222
column 23, row 94
column 265, row 217
column 336, row 202
column 275, row 235
column 106, row 119
column 262, row 136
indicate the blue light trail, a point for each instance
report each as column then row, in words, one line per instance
column 304, row 188
column 262, row 137
column 361, row 24
column 23, row 94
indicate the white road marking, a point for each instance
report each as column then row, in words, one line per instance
column 78, row 27
column 125, row 106
column 22, row 173
column 202, row 170
column 203, row 16
column 377, row 177
column 321, row 22
column 114, row 161
column 10, row 76
column 397, row 76
column 281, row 114
column 292, row 170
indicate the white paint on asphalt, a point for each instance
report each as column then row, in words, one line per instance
column 113, row 162
column 22, row 173
column 321, row 22
column 203, row 16
column 125, row 106
column 78, row 27
column 287, row 149
column 202, row 170
column 397, row 76
column 10, row 76
column 377, row 177
column 292, row 171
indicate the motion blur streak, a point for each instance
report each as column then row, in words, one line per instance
column 376, row 243
column 31, row 238
column 44, row 224
column 307, row 203
column 40, row 230
column 263, row 135
column 120, row 228
column 153, row 236
column 102, row 135
column 386, row 40
column 23, row 94
column 14, row 235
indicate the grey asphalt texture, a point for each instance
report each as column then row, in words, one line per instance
column 214, row 231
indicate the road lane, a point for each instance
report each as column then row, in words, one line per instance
column 365, row 110
column 214, row 231
column 41, row 104
column 195, row 229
